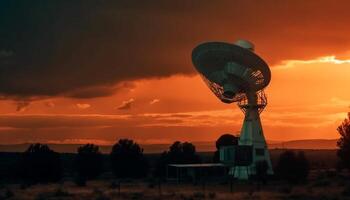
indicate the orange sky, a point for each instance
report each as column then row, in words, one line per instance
column 100, row 72
column 306, row 99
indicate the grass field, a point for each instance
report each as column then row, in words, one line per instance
column 323, row 183
column 319, row 159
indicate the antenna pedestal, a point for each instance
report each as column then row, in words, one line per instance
column 234, row 73
column 252, row 135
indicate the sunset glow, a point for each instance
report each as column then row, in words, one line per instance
column 312, row 106
column 123, row 79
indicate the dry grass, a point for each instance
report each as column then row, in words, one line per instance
column 322, row 186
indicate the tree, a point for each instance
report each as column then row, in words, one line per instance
column 179, row 153
column 40, row 164
column 88, row 163
column 224, row 140
column 344, row 143
column 302, row 166
column 128, row 160
column 292, row 167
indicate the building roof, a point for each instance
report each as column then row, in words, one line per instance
column 199, row 165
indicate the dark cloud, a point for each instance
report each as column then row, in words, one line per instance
column 58, row 121
column 99, row 90
column 83, row 48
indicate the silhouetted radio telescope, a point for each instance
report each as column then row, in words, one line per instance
column 236, row 74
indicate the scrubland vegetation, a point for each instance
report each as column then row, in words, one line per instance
column 127, row 173
column 318, row 180
column 321, row 185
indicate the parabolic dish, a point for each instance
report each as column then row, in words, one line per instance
column 229, row 70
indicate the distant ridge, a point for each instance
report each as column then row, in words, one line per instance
column 200, row 146
column 306, row 144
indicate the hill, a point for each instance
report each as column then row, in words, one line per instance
column 201, row 146
column 305, row 144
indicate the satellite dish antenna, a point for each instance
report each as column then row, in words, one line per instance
column 234, row 73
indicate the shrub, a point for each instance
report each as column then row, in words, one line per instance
column 344, row 144
column 224, row 140
column 292, row 167
column 198, row 195
column 152, row 183
column 212, row 195
column 322, row 183
column 304, row 196
column 41, row 196
column 80, row 181
column 60, row 193
column 285, row 190
column 40, row 164
column 23, row 186
column 44, row 196
column 9, row 194
column 331, row 173
column 103, row 197
column 114, row 185
column 184, row 197
column 128, row 160
column 137, row 195
column 99, row 194
column 179, row 153
column 302, row 167
column 88, row 163
column 346, row 191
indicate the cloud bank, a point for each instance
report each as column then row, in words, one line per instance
column 83, row 49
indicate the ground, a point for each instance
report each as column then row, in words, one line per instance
column 322, row 184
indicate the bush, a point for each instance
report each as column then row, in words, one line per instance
column 344, row 144
column 23, row 186
column 179, row 153
column 100, row 195
column 212, row 195
column 61, row 193
column 224, row 140
column 292, row 167
column 80, row 181
column 39, row 164
column 8, row 194
column 41, row 196
column 88, row 163
column 114, row 185
column 184, row 197
column 103, row 197
column 137, row 195
column 322, row 183
column 346, row 191
column 285, row 190
column 302, row 167
column 128, row 160
column 199, row 195
column 152, row 183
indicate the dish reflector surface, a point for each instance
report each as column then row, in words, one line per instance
column 230, row 70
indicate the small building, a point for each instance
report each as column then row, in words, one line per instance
column 196, row 172
column 237, row 157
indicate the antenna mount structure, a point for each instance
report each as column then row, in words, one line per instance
column 234, row 73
